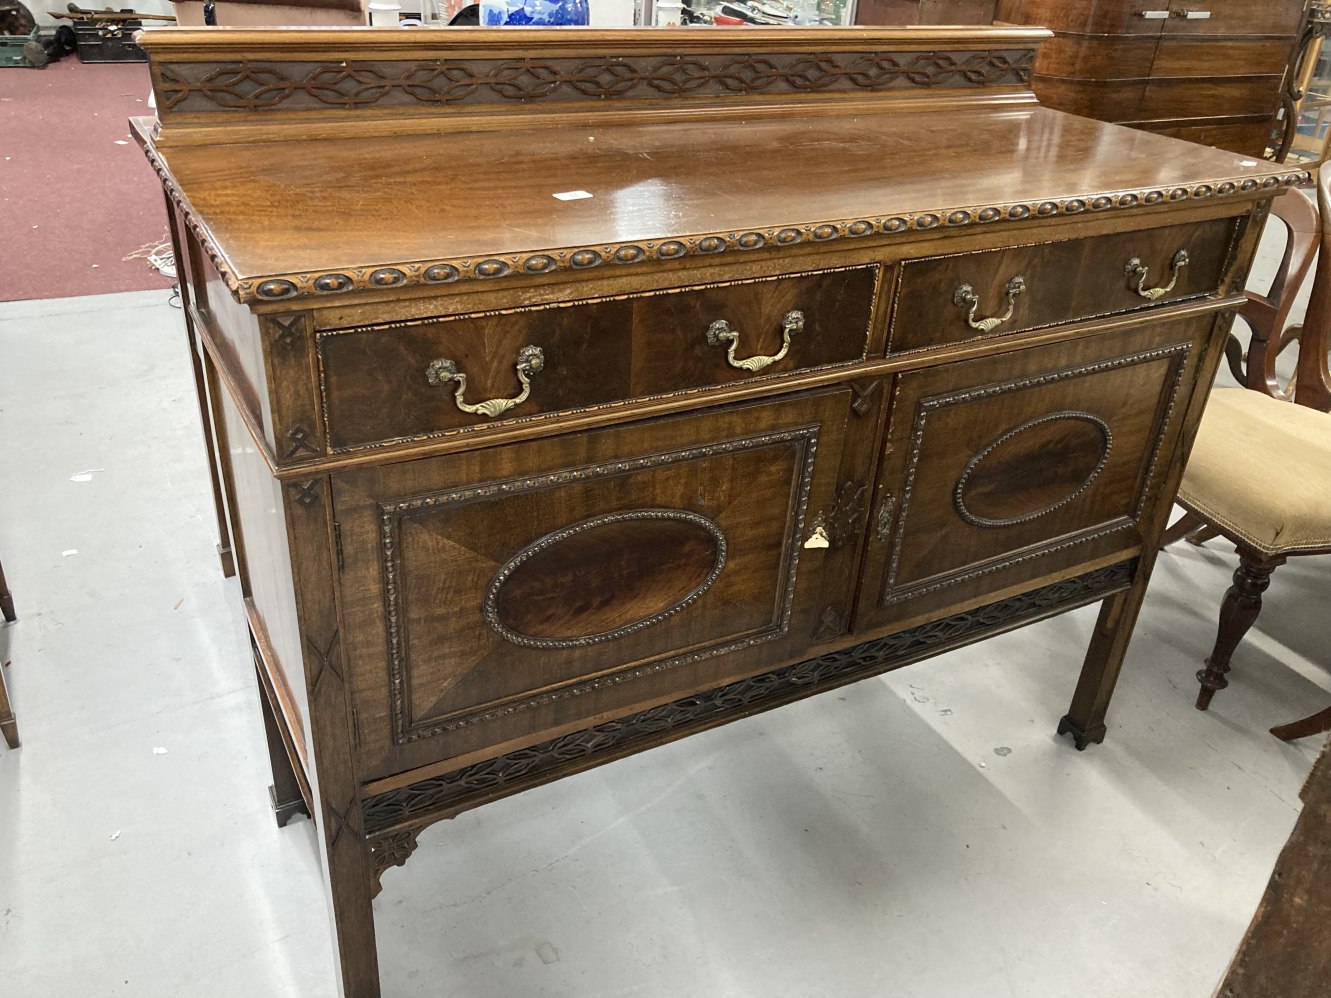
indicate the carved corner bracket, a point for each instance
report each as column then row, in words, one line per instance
column 388, row 850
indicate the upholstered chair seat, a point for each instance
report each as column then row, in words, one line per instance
column 1260, row 470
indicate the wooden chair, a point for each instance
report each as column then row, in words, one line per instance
column 1267, row 315
column 8, row 723
column 1260, row 470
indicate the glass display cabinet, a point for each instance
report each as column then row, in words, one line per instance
column 1305, row 120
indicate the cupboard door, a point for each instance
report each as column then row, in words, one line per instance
column 1009, row 470
column 501, row 597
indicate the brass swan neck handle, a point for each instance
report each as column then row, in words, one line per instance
column 719, row 333
column 1137, row 271
column 966, row 298
column 443, row 371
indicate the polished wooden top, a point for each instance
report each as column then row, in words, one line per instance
column 322, row 214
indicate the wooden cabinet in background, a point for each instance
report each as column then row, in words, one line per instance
column 710, row 369
column 1209, row 71
column 893, row 12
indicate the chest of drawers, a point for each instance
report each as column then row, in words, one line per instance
column 563, row 405
column 1209, row 71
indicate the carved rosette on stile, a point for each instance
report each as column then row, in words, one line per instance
column 847, row 512
column 289, row 330
column 301, row 441
column 305, row 493
column 866, row 395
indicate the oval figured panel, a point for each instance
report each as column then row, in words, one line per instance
column 1033, row 469
column 605, row 577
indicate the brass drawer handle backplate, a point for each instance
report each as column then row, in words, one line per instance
column 965, row 297
column 719, row 333
column 442, row 371
column 1137, row 271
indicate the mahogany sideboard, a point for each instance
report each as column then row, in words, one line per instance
column 1209, row 71
column 568, row 392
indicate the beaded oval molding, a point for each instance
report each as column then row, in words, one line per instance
column 490, row 606
column 283, row 287
column 977, row 520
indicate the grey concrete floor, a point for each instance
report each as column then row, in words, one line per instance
column 924, row 834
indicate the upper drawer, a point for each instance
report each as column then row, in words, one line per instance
column 950, row 299
column 1105, row 17
column 1234, row 17
column 411, row 380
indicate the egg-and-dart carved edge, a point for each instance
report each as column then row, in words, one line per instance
column 890, row 595
column 439, row 272
column 490, row 605
column 975, row 520
column 451, row 793
column 405, row 730
column 321, row 335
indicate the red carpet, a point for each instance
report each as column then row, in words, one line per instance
column 73, row 203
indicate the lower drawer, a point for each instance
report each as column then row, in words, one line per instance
column 1248, row 136
column 1188, row 98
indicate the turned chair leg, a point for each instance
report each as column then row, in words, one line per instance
column 1242, row 604
column 1313, row 724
